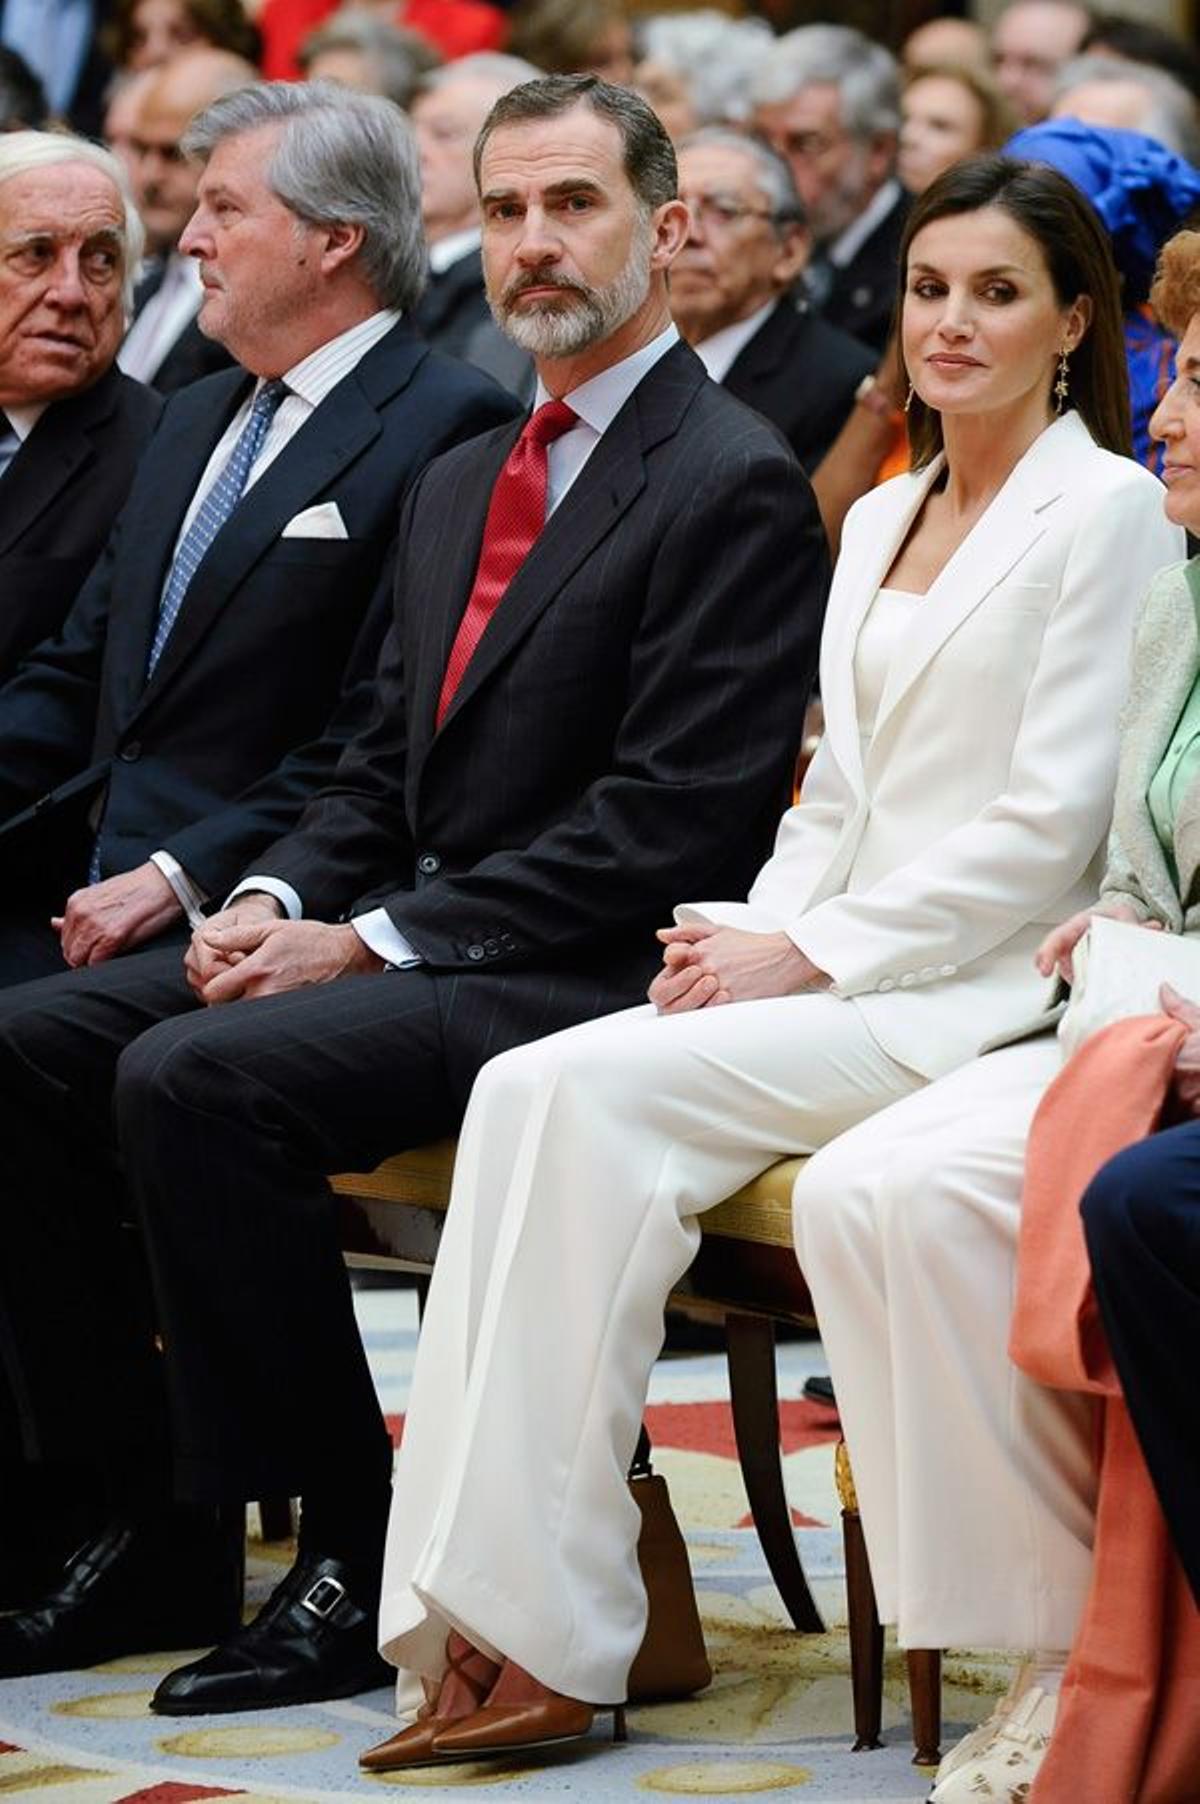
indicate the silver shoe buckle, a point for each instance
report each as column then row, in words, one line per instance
column 323, row 1598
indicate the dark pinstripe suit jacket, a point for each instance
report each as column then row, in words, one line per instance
column 624, row 735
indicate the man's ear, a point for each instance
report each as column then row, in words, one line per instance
column 672, row 222
column 342, row 242
column 795, row 248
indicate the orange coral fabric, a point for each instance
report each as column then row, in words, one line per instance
column 1128, row 1727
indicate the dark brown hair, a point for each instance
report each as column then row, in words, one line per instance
column 1075, row 246
column 221, row 23
column 648, row 152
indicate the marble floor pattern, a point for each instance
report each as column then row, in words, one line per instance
column 775, row 1721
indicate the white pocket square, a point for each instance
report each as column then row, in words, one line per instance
column 321, row 522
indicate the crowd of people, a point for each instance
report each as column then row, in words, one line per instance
column 443, row 450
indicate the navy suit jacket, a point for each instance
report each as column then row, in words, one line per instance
column 269, row 662
column 58, row 499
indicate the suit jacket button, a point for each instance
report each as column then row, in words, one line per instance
column 908, row 980
column 886, row 984
column 129, row 754
column 492, row 948
column 475, row 953
column 429, row 864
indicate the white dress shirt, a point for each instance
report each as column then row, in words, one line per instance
column 309, row 381
column 174, row 305
column 597, row 403
column 719, row 353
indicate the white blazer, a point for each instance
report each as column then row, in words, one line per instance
column 924, row 881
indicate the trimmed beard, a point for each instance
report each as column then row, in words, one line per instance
column 551, row 329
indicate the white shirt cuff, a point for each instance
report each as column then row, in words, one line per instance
column 269, row 886
column 189, row 897
column 380, row 935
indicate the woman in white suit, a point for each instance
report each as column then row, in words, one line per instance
column 974, row 660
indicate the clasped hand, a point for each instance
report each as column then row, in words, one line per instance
column 705, row 965
column 248, row 950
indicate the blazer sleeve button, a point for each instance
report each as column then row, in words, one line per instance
column 475, row 953
column 949, row 970
column 886, row 984
column 429, row 864
column 129, row 754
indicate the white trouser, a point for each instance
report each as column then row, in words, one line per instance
column 583, row 1161
column 975, row 1484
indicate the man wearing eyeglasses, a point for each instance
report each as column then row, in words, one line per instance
column 730, row 293
column 828, row 100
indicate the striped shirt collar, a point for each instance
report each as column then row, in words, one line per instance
column 315, row 375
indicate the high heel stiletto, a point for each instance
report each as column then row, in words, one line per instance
column 497, row 1730
column 414, row 1746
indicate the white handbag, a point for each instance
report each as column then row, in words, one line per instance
column 1119, row 969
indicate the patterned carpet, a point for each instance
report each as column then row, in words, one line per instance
column 776, row 1719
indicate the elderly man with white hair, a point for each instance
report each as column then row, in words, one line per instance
column 829, row 101
column 71, row 425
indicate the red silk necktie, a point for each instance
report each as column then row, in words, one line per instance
column 515, row 517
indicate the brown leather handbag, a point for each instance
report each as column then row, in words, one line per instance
column 672, row 1661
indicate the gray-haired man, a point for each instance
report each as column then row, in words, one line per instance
column 216, row 661
column 72, row 427
column 828, row 99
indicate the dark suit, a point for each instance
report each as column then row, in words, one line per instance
column 454, row 315
column 254, row 693
column 58, row 499
column 862, row 296
column 800, row 373
column 623, row 736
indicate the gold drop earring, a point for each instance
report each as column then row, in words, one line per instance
column 1062, row 386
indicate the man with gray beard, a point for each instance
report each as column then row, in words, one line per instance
column 604, row 630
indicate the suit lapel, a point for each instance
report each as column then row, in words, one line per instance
column 335, row 433
column 862, row 572
column 991, row 551
column 605, row 488
column 192, row 427
column 761, row 355
column 56, row 448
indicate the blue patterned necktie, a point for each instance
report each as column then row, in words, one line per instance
column 215, row 509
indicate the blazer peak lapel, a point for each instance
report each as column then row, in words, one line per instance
column 864, row 576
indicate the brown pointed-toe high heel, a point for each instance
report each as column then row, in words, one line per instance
column 414, row 1746
column 513, row 1722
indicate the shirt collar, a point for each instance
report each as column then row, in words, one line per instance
column 599, row 400
column 453, row 248
column 24, row 419
column 719, row 352
column 847, row 244
column 315, row 375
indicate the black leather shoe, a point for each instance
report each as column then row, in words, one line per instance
column 819, row 1389
column 130, row 1590
column 311, row 1640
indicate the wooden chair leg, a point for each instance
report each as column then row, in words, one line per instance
column 925, row 1697
column 750, row 1344
column 866, row 1636
column 275, row 1514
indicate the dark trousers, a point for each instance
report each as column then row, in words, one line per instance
column 163, row 1173
column 1141, row 1215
